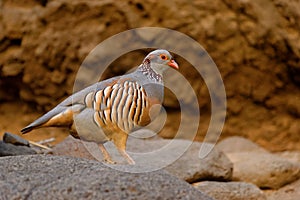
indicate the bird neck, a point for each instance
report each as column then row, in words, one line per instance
column 147, row 70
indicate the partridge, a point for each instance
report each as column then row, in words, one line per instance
column 109, row 110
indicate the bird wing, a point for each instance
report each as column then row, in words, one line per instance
column 62, row 114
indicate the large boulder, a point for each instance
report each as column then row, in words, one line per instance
column 288, row 192
column 263, row 169
column 231, row 190
column 189, row 167
column 54, row 177
column 239, row 144
column 186, row 165
column 254, row 164
column 255, row 45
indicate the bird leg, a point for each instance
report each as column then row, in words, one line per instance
column 106, row 156
column 120, row 139
column 126, row 156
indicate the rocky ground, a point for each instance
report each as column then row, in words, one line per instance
column 255, row 45
column 236, row 169
column 48, row 177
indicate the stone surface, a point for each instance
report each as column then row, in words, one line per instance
column 43, row 43
column 230, row 190
column 189, row 167
column 263, row 169
column 239, row 144
column 53, row 177
column 7, row 149
column 14, row 139
column 254, row 164
column 288, row 192
column 293, row 156
column 72, row 147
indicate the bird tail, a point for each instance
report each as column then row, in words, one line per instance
column 59, row 116
column 27, row 129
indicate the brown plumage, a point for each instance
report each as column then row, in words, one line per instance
column 111, row 109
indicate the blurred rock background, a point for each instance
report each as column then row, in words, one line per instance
column 254, row 43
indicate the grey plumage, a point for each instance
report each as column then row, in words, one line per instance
column 110, row 109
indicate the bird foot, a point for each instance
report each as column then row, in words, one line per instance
column 110, row 161
column 131, row 162
column 127, row 157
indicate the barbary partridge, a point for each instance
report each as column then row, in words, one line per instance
column 109, row 110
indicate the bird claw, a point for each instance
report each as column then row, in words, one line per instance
column 131, row 162
column 110, row 161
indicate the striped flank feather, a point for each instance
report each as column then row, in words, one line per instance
column 123, row 105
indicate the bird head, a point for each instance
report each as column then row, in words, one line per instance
column 160, row 60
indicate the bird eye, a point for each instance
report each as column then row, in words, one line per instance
column 163, row 56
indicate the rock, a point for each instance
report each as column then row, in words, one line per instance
column 7, row 149
column 72, row 147
column 189, row 167
column 14, row 139
column 53, row 177
column 293, row 105
column 288, row 192
column 263, row 169
column 40, row 40
column 230, row 190
column 293, row 156
column 254, row 164
column 239, row 144
column 12, row 69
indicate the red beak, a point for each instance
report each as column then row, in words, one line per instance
column 173, row 64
